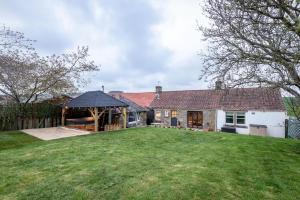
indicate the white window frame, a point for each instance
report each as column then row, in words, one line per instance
column 242, row 114
column 166, row 113
column 232, row 118
column 235, row 116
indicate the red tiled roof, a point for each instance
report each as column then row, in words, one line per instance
column 188, row 99
column 143, row 99
column 252, row 99
column 229, row 99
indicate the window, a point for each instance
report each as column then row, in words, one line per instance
column 158, row 115
column 240, row 118
column 229, row 117
column 131, row 117
column 173, row 113
column 166, row 113
column 235, row 118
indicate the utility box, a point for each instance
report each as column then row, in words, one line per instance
column 256, row 129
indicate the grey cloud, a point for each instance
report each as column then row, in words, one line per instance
column 129, row 23
column 133, row 22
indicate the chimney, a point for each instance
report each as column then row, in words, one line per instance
column 218, row 85
column 158, row 91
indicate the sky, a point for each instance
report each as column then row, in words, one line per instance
column 137, row 43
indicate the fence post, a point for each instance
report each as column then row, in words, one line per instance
column 286, row 128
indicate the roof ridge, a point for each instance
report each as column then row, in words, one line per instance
column 246, row 88
column 134, row 92
column 208, row 89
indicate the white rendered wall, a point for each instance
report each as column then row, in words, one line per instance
column 273, row 120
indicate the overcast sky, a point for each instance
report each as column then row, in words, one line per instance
column 138, row 43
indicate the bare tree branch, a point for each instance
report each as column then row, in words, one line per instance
column 24, row 75
column 253, row 43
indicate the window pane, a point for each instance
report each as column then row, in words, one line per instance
column 229, row 113
column 195, row 120
column 190, row 119
column 173, row 113
column 229, row 120
column 166, row 113
column 158, row 115
column 229, row 117
column 199, row 119
column 240, row 118
column 240, row 121
column 131, row 117
column 240, row 114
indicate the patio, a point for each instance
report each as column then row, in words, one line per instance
column 54, row 133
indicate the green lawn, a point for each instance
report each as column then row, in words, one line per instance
column 16, row 139
column 149, row 163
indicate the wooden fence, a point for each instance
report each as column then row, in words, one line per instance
column 20, row 116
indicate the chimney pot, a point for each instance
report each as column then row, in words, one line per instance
column 218, row 85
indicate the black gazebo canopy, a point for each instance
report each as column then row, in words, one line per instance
column 95, row 99
column 92, row 101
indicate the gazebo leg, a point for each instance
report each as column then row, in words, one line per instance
column 96, row 119
column 109, row 116
column 63, row 111
column 96, row 115
column 124, row 118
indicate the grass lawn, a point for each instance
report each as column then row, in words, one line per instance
column 16, row 139
column 149, row 163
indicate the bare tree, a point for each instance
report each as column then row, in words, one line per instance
column 25, row 76
column 293, row 106
column 9, row 39
column 254, row 43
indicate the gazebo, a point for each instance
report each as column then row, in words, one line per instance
column 97, row 103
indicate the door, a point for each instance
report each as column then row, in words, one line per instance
column 173, row 118
column 195, row 119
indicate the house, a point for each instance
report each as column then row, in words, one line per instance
column 257, row 111
column 139, row 111
column 243, row 110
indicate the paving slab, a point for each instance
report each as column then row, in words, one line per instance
column 54, row 133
